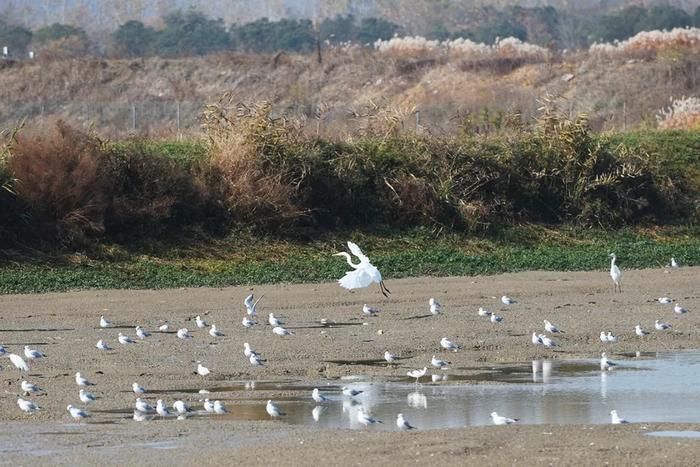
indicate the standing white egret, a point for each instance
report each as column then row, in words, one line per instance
column 19, row 363
column 615, row 274
column 364, row 272
column 418, row 374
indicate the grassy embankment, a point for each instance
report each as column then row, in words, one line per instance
column 259, row 203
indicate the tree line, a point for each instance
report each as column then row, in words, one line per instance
column 187, row 33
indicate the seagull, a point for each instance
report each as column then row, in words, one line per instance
column 27, row 406
column 612, row 338
column 368, row 310
column 32, row 354
column 80, row 381
column 536, row 339
column 639, row 331
column 665, row 300
column 104, row 322
column 547, row 342
column 125, row 339
column 364, row 272
column 446, row 344
column 202, row 370
column 661, row 326
column 603, row 337
column 500, row 420
column 274, row 321
column 138, row 389
column 143, row 406
column 29, row 388
column 615, row 418
column 484, row 312
column 606, row 364
column 280, row 331
column 250, row 306
column 255, row 360
column 351, row 392
column 163, row 327
column 549, row 327
column 389, row 357
column 18, row 362
column 86, row 397
column 141, row 333
column 674, row 263
column 102, row 345
column 247, row 322
column 77, row 413
column 201, row 324
column 366, row 419
column 215, row 332
column 248, row 350
column 615, row 274
column 679, row 309
column 219, row 407
column 273, row 409
column 495, row 318
column 437, row 363
column 506, row 300
column 435, row 307
column 181, row 407
column 318, row 397
column 183, row 334
column 417, row 373
column 162, row 409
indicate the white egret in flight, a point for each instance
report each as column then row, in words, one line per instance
column 364, row 272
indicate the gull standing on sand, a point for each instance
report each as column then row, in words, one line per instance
column 549, row 327
column 547, row 342
column 162, row 409
column 403, row 424
column 247, row 322
column 506, row 300
column 364, row 272
column 615, row 418
column 29, row 388
column 639, row 331
column 274, row 321
column 248, row 350
column 318, row 397
column 125, row 339
column 80, row 381
column 500, row 420
column 537, row 340
column 27, row 406
column 447, row 344
column 661, row 326
column 483, row 312
column 102, row 345
column 615, row 274
column 365, row 419
column 418, row 374
column 351, row 392
column 280, row 331
column 611, row 338
column 18, row 362
column 86, row 397
column 220, row 408
column 104, row 322
column 181, row 407
column 495, row 318
column 440, row 364
column 435, row 307
column 679, row 309
column 215, row 332
column 368, row 310
column 138, row 389
column 77, row 413
column 389, row 357
column 273, row 409
column 606, row 364
column 141, row 333
column 202, row 370
column 32, row 354
column 163, row 327
column 256, row 360
column 674, row 263
column 143, row 406
column 183, row 334
column 665, row 300
column 201, row 324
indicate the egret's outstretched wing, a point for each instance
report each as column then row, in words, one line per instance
column 355, row 250
column 355, row 280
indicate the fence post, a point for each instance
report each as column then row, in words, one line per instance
column 133, row 118
column 178, row 119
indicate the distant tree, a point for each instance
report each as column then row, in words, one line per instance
column 371, row 29
column 338, row 29
column 16, row 38
column 266, row 36
column 191, row 33
column 57, row 31
column 664, row 17
column 497, row 28
column 438, row 31
column 541, row 24
column 696, row 18
column 133, row 39
column 619, row 25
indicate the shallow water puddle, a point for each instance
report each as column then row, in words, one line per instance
column 675, row 434
column 544, row 391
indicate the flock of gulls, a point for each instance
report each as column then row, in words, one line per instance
column 363, row 275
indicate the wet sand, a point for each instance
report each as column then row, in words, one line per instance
column 65, row 327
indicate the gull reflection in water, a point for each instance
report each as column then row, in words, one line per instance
column 546, row 371
column 317, row 412
column 603, row 384
column 417, row 400
column 438, row 378
column 536, row 366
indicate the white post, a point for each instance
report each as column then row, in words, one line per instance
column 5, row 51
